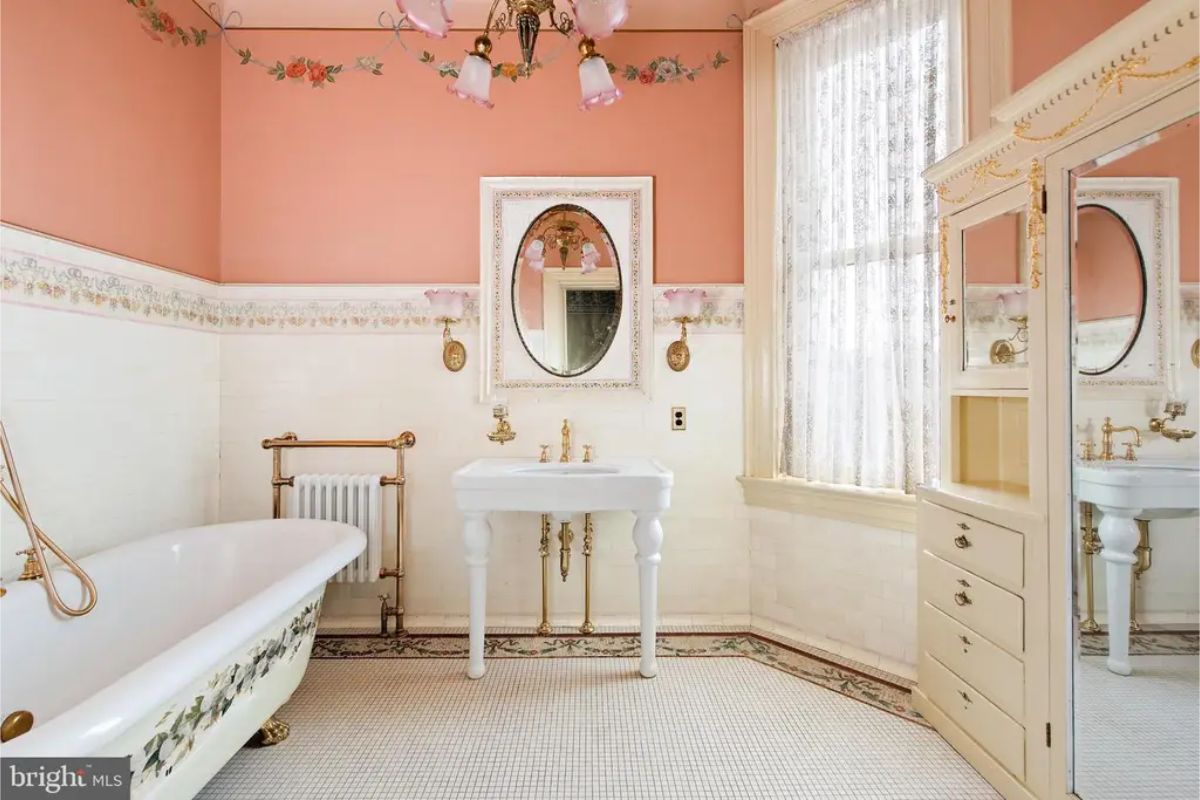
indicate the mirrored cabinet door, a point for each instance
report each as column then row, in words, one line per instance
column 989, row 285
column 1134, row 587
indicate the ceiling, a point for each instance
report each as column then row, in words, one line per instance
column 471, row 14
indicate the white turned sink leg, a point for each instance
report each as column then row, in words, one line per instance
column 648, row 537
column 1119, row 533
column 477, row 536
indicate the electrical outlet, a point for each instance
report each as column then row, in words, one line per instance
column 679, row 418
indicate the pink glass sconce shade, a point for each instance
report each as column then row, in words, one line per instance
column 474, row 81
column 596, row 19
column 590, row 258
column 685, row 303
column 431, row 17
column 447, row 304
column 1015, row 304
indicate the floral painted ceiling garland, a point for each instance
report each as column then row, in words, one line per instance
column 315, row 72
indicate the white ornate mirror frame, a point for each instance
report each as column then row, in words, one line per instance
column 1150, row 208
column 625, row 206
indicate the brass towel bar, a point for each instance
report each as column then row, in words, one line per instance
column 289, row 441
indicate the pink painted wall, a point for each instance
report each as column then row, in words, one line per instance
column 376, row 179
column 111, row 139
column 1045, row 32
column 992, row 251
column 1176, row 155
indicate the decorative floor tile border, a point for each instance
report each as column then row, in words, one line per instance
column 892, row 697
column 47, row 273
column 1145, row 643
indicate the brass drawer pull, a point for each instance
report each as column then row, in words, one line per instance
column 962, row 599
column 964, row 526
column 962, row 542
column 965, row 696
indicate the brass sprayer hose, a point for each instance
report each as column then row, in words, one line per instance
column 39, row 540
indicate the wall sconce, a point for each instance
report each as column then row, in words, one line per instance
column 1015, row 307
column 685, row 305
column 449, row 307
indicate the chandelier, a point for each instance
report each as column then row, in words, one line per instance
column 564, row 235
column 591, row 20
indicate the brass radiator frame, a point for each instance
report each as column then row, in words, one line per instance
column 406, row 440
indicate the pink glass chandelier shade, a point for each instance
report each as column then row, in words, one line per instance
column 447, row 304
column 597, row 84
column 431, row 17
column 590, row 258
column 685, row 303
column 597, row 19
column 474, row 81
column 535, row 255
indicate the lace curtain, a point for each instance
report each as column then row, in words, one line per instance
column 867, row 99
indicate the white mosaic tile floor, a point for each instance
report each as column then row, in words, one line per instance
column 589, row 729
column 1138, row 736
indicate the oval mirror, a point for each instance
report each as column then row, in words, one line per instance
column 566, row 293
column 1109, row 289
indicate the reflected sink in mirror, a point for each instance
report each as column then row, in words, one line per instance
column 1161, row 488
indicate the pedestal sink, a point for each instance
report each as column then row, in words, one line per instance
column 639, row 485
column 1124, row 493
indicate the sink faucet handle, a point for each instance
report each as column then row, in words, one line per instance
column 1130, row 455
column 587, row 453
column 544, row 458
column 1088, row 449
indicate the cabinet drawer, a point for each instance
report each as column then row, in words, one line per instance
column 977, row 603
column 983, row 548
column 995, row 673
column 997, row 733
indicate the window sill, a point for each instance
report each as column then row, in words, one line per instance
column 877, row 507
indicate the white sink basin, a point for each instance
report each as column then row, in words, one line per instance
column 617, row 484
column 639, row 485
column 1157, row 489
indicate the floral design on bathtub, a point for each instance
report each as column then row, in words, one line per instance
column 176, row 733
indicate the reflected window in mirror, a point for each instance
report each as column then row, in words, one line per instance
column 995, row 285
column 567, row 291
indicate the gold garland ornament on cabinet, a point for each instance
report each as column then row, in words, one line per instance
column 1110, row 79
column 982, row 172
column 944, row 268
column 1036, row 226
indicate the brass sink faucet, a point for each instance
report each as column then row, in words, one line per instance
column 1106, row 447
column 565, row 458
column 1172, row 410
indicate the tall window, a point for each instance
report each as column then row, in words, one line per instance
column 867, row 99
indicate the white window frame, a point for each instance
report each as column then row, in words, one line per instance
column 762, row 483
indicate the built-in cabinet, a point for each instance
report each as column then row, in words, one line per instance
column 996, row 530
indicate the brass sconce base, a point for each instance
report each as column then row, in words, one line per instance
column 679, row 355
column 454, row 352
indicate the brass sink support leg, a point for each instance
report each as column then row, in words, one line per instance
column 565, row 538
column 587, row 627
column 1091, row 546
column 544, row 552
column 1142, row 552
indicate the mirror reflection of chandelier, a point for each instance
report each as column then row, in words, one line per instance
column 592, row 20
column 563, row 234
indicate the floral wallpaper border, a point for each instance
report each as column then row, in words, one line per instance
column 861, row 686
column 177, row 731
column 32, row 279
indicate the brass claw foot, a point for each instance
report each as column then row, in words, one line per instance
column 271, row 733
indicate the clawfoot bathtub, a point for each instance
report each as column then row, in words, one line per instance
column 199, row 636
